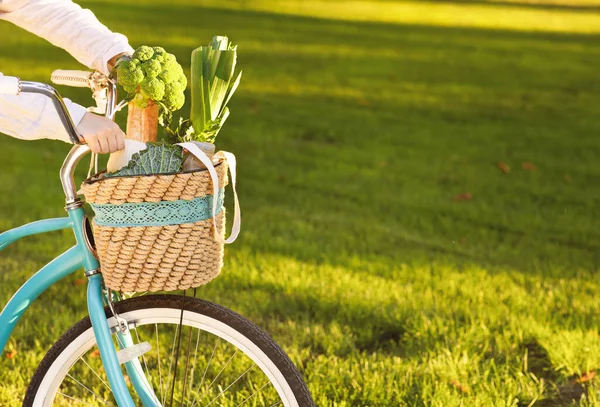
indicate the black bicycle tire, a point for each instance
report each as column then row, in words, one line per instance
column 203, row 307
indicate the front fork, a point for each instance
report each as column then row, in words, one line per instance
column 101, row 328
column 104, row 339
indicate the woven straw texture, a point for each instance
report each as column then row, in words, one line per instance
column 157, row 258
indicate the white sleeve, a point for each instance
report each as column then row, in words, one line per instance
column 66, row 25
column 32, row 116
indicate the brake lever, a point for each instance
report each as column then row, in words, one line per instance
column 96, row 81
column 99, row 85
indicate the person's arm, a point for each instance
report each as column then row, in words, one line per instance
column 32, row 117
column 67, row 25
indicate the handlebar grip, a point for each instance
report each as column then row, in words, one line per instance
column 77, row 79
column 9, row 85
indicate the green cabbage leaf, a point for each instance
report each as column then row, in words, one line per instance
column 157, row 158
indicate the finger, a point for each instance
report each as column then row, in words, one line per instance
column 120, row 139
column 93, row 144
column 112, row 142
column 103, row 141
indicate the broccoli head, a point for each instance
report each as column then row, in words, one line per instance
column 170, row 62
column 182, row 81
column 152, row 68
column 153, row 88
column 159, row 51
column 153, row 74
column 168, row 75
column 174, row 97
column 130, row 88
column 143, row 53
column 129, row 74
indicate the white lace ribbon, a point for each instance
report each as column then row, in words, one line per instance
column 231, row 161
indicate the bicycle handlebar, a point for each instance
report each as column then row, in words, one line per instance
column 77, row 79
column 10, row 85
column 59, row 105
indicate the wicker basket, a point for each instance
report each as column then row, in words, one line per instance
column 155, row 232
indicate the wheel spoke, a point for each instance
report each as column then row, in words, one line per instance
column 221, row 371
column 88, row 389
column 206, row 370
column 170, row 365
column 178, row 348
column 219, row 374
column 159, row 363
column 228, row 387
column 187, row 364
column 137, row 335
column 253, row 394
column 194, row 366
column 94, row 372
column 75, row 399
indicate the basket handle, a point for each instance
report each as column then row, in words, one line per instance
column 231, row 161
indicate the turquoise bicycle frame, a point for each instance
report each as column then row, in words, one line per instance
column 77, row 257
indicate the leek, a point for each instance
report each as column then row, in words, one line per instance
column 213, row 82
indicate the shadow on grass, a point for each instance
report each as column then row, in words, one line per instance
column 539, row 363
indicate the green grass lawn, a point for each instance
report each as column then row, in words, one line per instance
column 382, row 245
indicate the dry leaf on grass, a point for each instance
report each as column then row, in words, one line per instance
column 95, row 354
column 254, row 107
column 465, row 196
column 79, row 282
column 11, row 354
column 527, row 166
column 503, row 167
column 586, row 377
column 461, row 387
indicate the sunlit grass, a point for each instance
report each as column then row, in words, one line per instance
column 541, row 3
column 501, row 15
column 358, row 135
column 436, row 13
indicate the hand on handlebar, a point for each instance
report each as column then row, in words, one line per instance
column 101, row 134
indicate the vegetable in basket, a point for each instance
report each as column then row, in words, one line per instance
column 180, row 215
column 156, row 158
column 213, row 83
column 154, row 82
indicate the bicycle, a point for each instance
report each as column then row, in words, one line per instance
column 210, row 355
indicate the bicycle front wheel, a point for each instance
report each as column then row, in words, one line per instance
column 201, row 354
